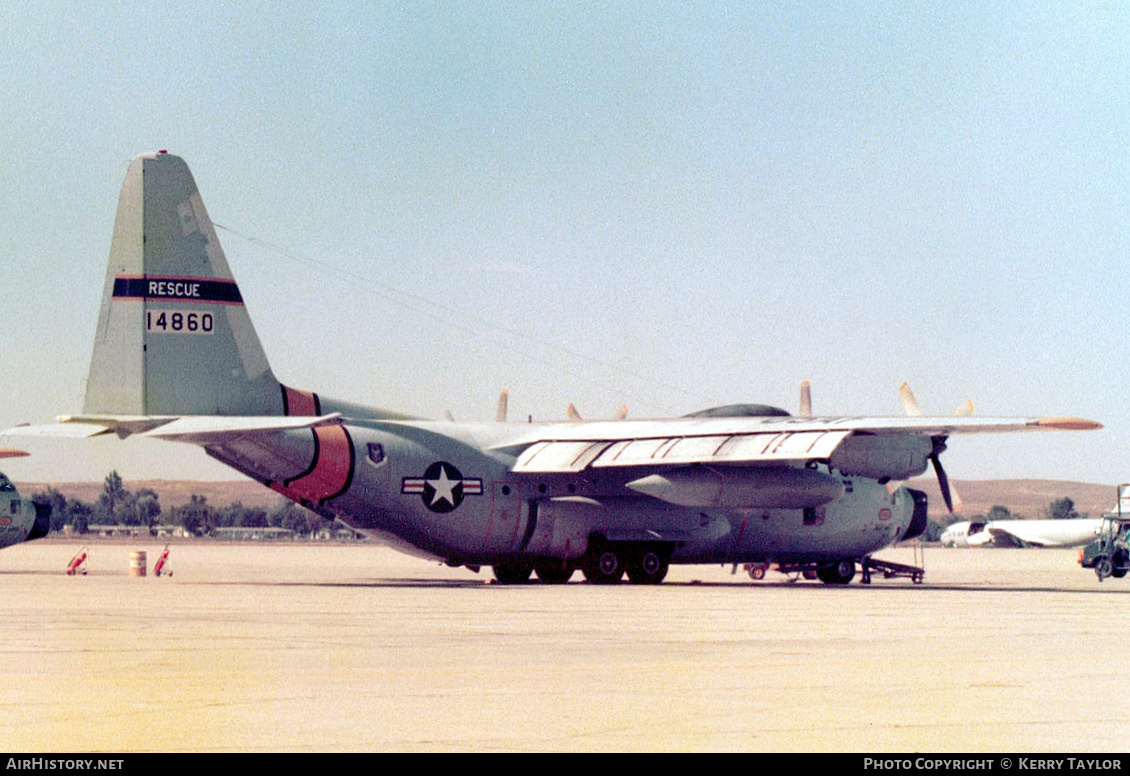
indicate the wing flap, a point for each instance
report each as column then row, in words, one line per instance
column 573, row 447
column 783, row 447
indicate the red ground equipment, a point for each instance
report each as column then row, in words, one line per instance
column 77, row 564
column 161, row 567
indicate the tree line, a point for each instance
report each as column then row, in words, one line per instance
column 117, row 505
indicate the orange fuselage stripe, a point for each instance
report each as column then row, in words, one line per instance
column 300, row 403
column 330, row 472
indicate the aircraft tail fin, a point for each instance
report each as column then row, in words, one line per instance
column 174, row 337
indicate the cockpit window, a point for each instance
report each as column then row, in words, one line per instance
column 5, row 485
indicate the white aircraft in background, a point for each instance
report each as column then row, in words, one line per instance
column 176, row 357
column 1022, row 533
column 20, row 520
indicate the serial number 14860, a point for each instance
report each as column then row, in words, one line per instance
column 179, row 321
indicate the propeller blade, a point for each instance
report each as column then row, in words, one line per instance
column 943, row 481
column 9, row 453
column 571, row 411
column 503, row 400
column 909, row 403
column 447, row 414
column 805, row 400
column 621, row 413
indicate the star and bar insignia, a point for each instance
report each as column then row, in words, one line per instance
column 442, row 487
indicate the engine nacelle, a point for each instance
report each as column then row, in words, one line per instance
column 882, row 457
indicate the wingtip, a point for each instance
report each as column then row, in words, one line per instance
column 1069, row 424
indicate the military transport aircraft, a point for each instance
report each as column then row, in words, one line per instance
column 176, row 358
column 20, row 520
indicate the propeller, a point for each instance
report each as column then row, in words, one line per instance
column 503, row 401
column 575, row 415
column 910, row 404
column 499, row 414
column 805, row 400
column 938, row 444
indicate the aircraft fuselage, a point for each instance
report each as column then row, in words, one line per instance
column 444, row 490
column 20, row 519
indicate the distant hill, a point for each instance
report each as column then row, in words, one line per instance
column 1028, row 498
column 1024, row 498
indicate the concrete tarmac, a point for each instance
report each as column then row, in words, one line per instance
column 262, row 647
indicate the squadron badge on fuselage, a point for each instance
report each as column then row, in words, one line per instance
column 442, row 487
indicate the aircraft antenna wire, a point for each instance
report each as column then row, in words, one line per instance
column 398, row 296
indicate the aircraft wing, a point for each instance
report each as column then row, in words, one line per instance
column 1045, row 533
column 880, row 447
column 896, row 447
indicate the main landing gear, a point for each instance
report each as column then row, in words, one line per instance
column 606, row 563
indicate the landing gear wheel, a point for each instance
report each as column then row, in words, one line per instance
column 756, row 571
column 605, row 568
column 553, row 573
column 837, row 573
column 511, row 573
column 648, row 569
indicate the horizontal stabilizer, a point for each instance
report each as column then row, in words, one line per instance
column 64, row 429
column 203, row 429
column 198, row 429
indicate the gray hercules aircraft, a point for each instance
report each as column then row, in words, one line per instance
column 176, row 358
column 20, row 520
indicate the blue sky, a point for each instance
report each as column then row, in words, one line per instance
column 662, row 204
